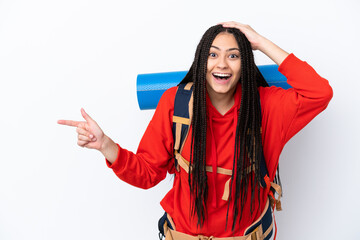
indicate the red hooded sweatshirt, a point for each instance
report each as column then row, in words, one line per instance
column 284, row 113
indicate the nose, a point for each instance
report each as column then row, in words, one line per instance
column 222, row 63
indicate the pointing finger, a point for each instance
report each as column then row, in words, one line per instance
column 70, row 123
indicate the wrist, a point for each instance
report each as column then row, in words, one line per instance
column 109, row 149
column 105, row 144
column 263, row 44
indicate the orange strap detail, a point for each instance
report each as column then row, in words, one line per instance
column 267, row 181
column 277, row 189
column 273, row 201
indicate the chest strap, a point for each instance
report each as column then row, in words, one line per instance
column 185, row 165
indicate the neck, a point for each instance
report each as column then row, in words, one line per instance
column 222, row 101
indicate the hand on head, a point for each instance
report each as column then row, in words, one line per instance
column 254, row 38
column 90, row 134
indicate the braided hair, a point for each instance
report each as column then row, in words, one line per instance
column 248, row 128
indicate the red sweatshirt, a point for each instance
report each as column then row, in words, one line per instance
column 284, row 113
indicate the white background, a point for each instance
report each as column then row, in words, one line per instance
column 59, row 56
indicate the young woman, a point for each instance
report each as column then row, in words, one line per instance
column 237, row 122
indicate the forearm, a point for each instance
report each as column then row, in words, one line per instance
column 109, row 149
column 271, row 50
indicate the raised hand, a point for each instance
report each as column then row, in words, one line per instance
column 90, row 134
column 259, row 42
column 253, row 37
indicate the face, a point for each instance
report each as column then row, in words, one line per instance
column 223, row 66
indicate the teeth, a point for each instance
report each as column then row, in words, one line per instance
column 222, row 74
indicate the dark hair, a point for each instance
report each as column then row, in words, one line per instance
column 248, row 128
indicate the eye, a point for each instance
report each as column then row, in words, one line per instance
column 233, row 56
column 212, row 55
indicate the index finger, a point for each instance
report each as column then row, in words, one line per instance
column 70, row 123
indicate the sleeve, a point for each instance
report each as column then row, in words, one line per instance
column 154, row 156
column 288, row 111
column 310, row 94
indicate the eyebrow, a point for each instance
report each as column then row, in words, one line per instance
column 230, row 49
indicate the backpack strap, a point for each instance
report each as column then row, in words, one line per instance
column 183, row 108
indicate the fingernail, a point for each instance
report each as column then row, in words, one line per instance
column 91, row 136
column 94, row 139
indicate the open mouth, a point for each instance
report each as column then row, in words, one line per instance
column 222, row 76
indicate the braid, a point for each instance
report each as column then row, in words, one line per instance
column 248, row 143
column 249, row 131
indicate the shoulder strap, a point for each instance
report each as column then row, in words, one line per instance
column 183, row 106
